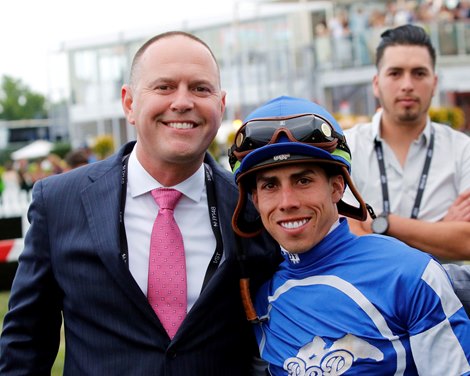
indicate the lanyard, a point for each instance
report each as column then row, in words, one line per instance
column 422, row 179
column 213, row 215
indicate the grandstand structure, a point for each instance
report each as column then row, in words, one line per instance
column 322, row 50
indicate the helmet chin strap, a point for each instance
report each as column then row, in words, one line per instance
column 245, row 228
column 250, row 228
column 242, row 226
column 356, row 212
column 250, row 311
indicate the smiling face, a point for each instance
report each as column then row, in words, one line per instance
column 405, row 84
column 297, row 204
column 176, row 104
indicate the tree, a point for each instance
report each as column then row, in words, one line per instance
column 18, row 101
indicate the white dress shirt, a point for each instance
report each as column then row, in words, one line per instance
column 191, row 215
column 449, row 173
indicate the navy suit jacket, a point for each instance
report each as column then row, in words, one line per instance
column 71, row 266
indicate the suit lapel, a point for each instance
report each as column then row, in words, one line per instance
column 101, row 200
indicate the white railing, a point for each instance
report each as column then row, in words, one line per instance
column 14, row 203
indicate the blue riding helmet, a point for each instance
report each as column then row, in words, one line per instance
column 289, row 130
column 282, row 108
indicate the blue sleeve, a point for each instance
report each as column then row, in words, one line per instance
column 438, row 325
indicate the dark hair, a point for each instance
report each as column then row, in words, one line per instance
column 76, row 158
column 406, row 35
column 155, row 38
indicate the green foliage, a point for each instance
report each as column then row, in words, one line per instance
column 61, row 149
column 18, row 102
column 452, row 116
column 104, row 146
column 4, row 295
column 5, row 154
column 215, row 150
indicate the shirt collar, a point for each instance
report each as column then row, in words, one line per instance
column 297, row 258
column 426, row 134
column 140, row 181
column 376, row 126
column 376, row 133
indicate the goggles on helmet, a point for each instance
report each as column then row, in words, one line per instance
column 309, row 129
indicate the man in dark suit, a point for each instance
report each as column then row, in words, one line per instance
column 86, row 252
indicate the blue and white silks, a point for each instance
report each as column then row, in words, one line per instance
column 364, row 305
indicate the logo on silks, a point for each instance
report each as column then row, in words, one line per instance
column 293, row 257
column 314, row 359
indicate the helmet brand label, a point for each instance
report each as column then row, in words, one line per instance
column 281, row 157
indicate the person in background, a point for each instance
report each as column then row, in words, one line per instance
column 460, row 276
column 413, row 172
column 11, row 179
column 9, row 188
column 76, row 158
column 339, row 303
column 87, row 251
column 22, row 166
column 53, row 164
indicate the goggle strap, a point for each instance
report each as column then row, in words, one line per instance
column 359, row 213
column 241, row 226
column 330, row 147
column 342, row 154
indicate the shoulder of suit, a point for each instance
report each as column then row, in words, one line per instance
column 222, row 177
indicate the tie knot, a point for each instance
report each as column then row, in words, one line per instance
column 166, row 198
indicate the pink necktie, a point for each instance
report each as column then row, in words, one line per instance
column 166, row 289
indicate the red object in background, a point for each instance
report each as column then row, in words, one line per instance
column 5, row 247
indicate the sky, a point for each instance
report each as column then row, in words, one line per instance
column 32, row 31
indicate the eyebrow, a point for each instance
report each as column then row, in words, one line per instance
column 265, row 175
column 195, row 82
column 401, row 67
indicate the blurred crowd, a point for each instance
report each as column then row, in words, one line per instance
column 20, row 175
column 396, row 13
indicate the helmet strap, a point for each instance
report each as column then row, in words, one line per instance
column 241, row 226
column 359, row 213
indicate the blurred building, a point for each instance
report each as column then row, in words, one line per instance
column 322, row 50
column 17, row 133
